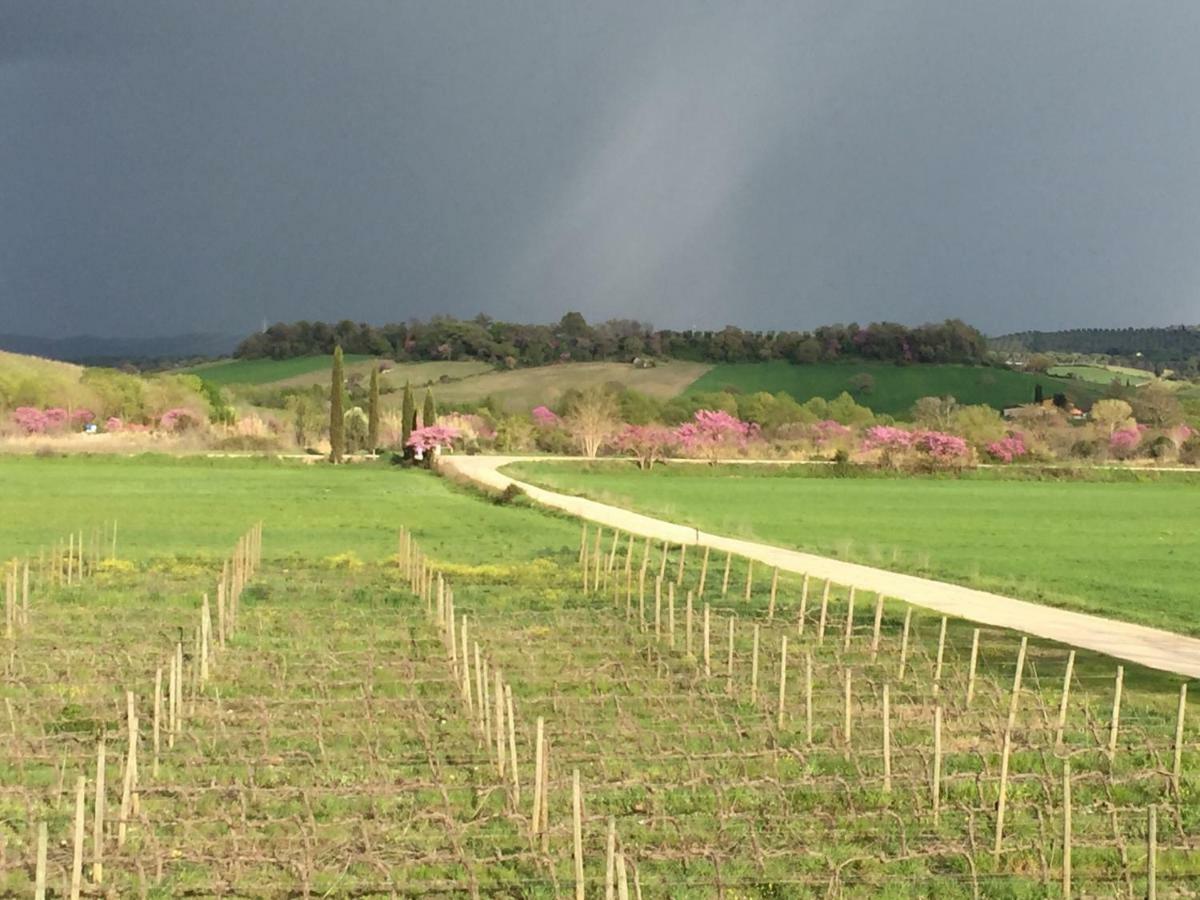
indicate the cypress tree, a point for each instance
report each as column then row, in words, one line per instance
column 408, row 412
column 428, row 412
column 1038, row 396
column 337, row 420
column 373, row 412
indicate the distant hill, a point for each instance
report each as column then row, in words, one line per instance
column 892, row 389
column 100, row 351
column 1170, row 346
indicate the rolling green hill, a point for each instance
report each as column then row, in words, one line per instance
column 264, row 371
column 895, row 388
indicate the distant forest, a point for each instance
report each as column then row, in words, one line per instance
column 621, row 340
column 1177, row 346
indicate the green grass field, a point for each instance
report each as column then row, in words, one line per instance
column 1127, row 550
column 896, row 388
column 265, row 371
column 1102, row 375
column 333, row 750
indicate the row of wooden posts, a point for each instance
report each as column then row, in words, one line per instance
column 65, row 564
column 236, row 573
column 488, row 704
column 597, row 568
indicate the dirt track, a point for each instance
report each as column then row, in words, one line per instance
column 1135, row 643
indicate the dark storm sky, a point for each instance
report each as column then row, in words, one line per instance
column 170, row 166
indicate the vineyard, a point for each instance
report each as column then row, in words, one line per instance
column 616, row 716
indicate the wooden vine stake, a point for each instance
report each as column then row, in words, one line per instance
column 729, row 662
column 658, row 608
column 157, row 719
column 846, row 723
column 39, row 876
column 584, row 562
column 1000, row 802
column 98, row 817
column 749, row 578
column 824, row 614
column 130, row 771
column 803, row 608
column 707, row 646
column 725, row 577
column 1015, row 697
column 887, row 741
column 941, row 655
column 876, row 627
column 77, row 857
column 754, row 668
column 577, row 832
column 512, row 746
column 782, row 681
column 688, row 623
column 610, row 862
column 1062, row 705
column 849, row 621
column 971, row 671
column 622, row 877
column 500, row 729
column 774, row 590
column 937, row 765
column 904, row 642
column 1066, row 839
column 1115, row 722
column 1152, row 853
column 671, row 615
column 808, row 697
column 539, row 768
column 1177, row 767
column 703, row 572
column 682, row 564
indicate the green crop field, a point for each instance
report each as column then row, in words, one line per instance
column 519, row 390
column 895, row 388
column 265, row 371
column 1127, row 550
column 1102, row 375
column 336, row 734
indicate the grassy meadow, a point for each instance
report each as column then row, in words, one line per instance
column 265, row 371
column 895, row 389
column 1127, row 549
column 333, row 750
column 1102, row 375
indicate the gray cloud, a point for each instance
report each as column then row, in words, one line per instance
column 174, row 167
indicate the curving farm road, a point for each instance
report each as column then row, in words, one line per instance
column 1136, row 643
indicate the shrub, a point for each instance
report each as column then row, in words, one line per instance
column 1008, row 448
column 1189, row 451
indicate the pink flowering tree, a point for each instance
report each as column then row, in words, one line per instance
column 942, row 449
column 29, row 419
column 1124, row 441
column 646, row 443
column 56, row 418
column 544, row 417
column 430, row 440
column 928, row 448
column 1008, row 449
column 178, row 419
column 715, row 433
column 889, row 442
column 83, row 416
column 113, row 424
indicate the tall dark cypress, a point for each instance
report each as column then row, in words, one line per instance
column 373, row 412
column 408, row 412
column 428, row 411
column 337, row 420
